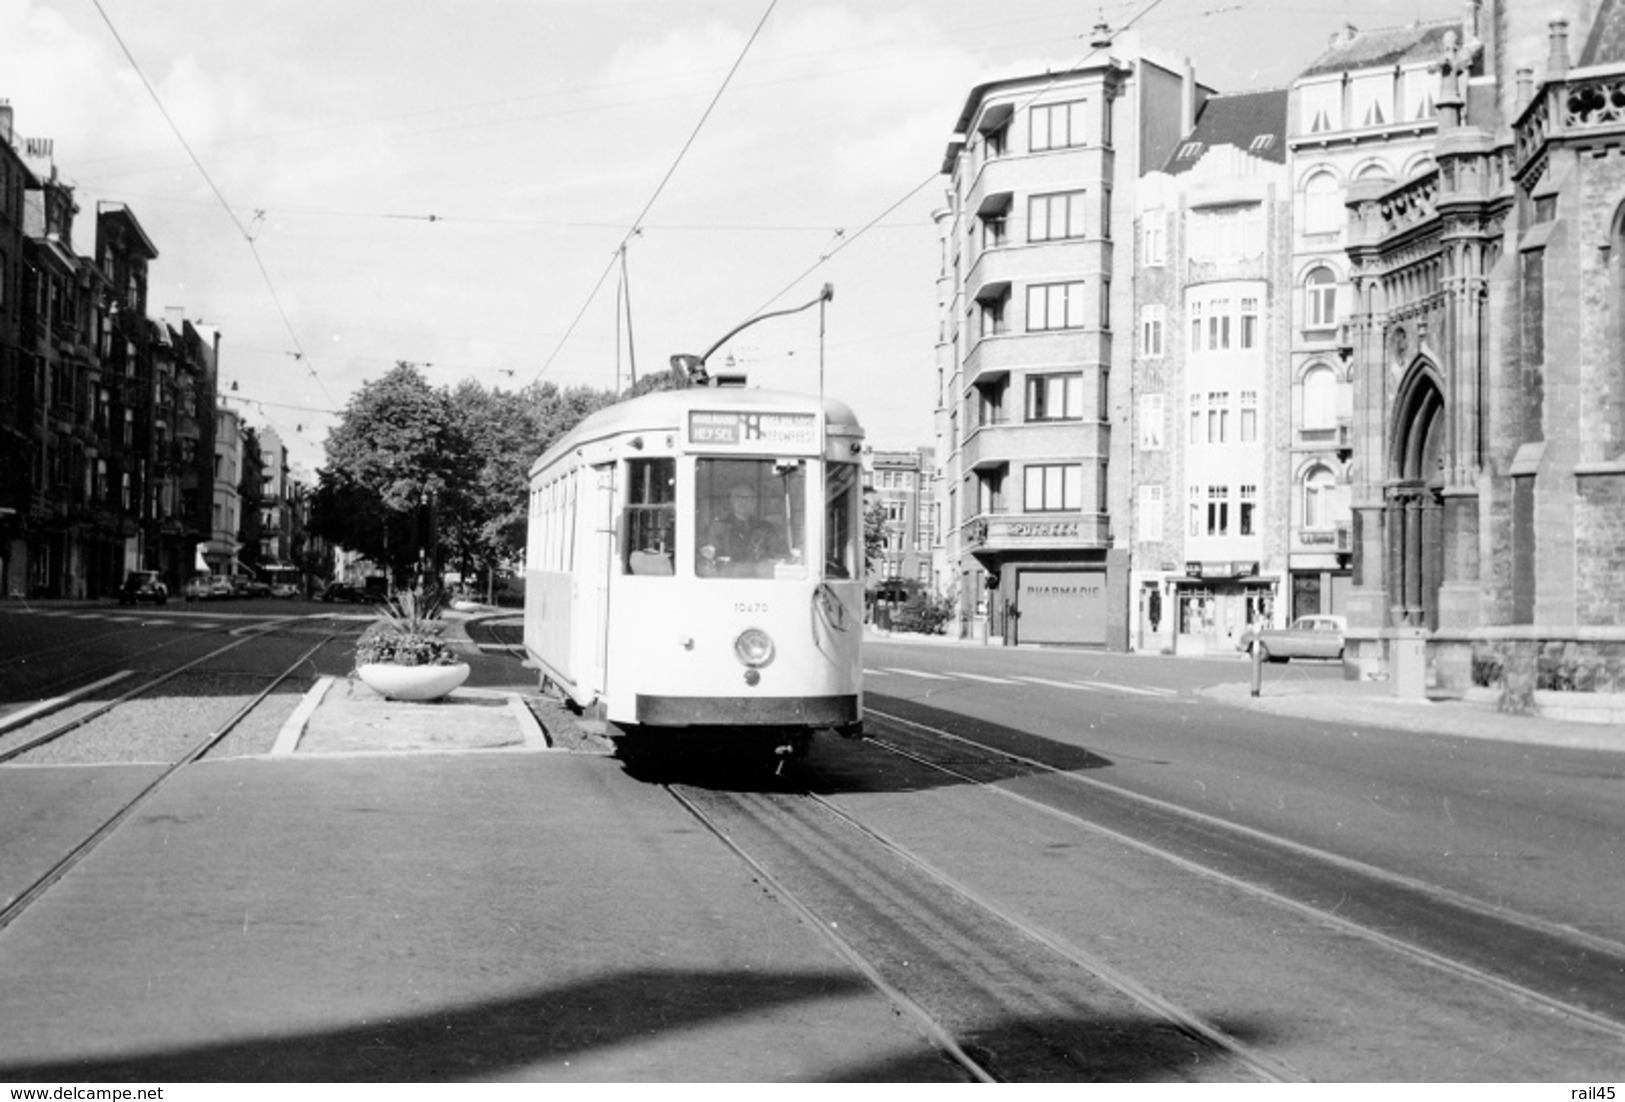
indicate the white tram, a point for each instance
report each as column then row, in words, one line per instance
column 695, row 560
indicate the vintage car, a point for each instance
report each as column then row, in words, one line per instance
column 343, row 591
column 198, row 587
column 143, row 585
column 1305, row 637
column 243, row 585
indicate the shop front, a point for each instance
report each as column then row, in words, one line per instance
column 1211, row 604
column 1039, row 586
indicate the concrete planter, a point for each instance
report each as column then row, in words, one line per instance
column 412, row 682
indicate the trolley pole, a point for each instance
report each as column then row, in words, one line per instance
column 694, row 366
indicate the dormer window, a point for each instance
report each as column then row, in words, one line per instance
column 1262, row 143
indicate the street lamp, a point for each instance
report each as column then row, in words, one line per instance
column 690, row 369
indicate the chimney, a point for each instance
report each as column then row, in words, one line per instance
column 1526, row 89
column 1557, row 60
column 1187, row 101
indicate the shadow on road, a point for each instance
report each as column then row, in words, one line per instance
column 538, row 1035
column 746, row 763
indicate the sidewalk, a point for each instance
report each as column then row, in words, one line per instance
column 1367, row 703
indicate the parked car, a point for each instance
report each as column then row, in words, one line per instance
column 220, row 587
column 244, row 586
column 342, row 591
column 1305, row 637
column 143, row 585
column 284, row 590
column 198, row 587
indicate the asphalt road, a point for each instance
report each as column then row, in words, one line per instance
column 1132, row 884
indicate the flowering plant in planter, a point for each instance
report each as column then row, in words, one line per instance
column 406, row 633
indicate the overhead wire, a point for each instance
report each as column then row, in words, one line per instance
column 259, row 261
column 848, row 239
column 617, row 256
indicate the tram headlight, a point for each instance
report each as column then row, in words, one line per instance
column 754, row 647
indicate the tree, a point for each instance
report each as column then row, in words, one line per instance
column 874, row 535
column 397, row 458
column 414, row 469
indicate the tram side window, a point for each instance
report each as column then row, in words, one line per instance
column 649, row 524
column 752, row 518
column 842, row 497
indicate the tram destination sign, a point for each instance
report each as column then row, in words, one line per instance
column 737, row 428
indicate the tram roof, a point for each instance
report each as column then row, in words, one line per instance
column 668, row 409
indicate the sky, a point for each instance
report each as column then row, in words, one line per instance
column 338, row 186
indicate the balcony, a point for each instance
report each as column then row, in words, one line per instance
column 1583, row 106
column 1214, row 271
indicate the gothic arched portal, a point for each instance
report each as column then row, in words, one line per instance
column 1413, row 505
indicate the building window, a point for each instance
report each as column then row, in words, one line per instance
column 1151, row 422
column 1218, row 510
column 1318, row 486
column 1249, row 416
column 1151, row 322
column 1319, row 398
column 1224, row 235
column 1322, row 204
column 1247, row 506
column 993, row 229
column 1218, row 417
column 1055, row 397
column 1194, row 499
column 1055, row 306
column 990, row 314
column 990, row 490
column 1196, row 436
column 1150, row 515
column 1056, row 217
column 1249, row 323
column 1154, row 240
column 1053, row 488
column 990, row 401
column 1196, row 326
column 1218, row 325
column 1320, row 299
column 1057, row 126
column 997, row 140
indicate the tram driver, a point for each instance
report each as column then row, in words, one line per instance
column 739, row 540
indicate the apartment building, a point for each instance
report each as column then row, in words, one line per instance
column 1365, row 110
column 1211, row 392
column 103, row 443
column 1035, row 288
column 905, row 482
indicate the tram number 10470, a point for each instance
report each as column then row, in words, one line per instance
column 695, row 559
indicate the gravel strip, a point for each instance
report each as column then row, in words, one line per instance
column 158, row 727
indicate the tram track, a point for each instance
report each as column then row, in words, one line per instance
column 196, row 748
column 12, row 667
column 1013, row 986
column 1561, row 969
column 999, row 996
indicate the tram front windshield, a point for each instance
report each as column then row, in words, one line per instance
column 751, row 518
